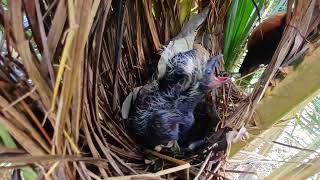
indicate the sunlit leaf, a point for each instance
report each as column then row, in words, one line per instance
column 6, row 138
column 241, row 17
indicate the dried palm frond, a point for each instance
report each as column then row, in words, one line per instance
column 61, row 92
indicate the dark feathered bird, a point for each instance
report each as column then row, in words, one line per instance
column 163, row 110
column 263, row 42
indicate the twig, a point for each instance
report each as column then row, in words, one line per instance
column 287, row 62
column 295, row 147
column 165, row 157
column 46, row 53
column 258, row 10
column 71, row 141
column 218, row 176
column 241, row 172
column 240, row 78
column 203, row 166
column 153, row 175
column 118, row 50
column 35, row 120
column 52, row 168
column 19, row 99
column 174, row 169
column 70, row 35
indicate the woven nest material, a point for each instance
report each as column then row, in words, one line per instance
column 209, row 114
column 62, row 88
column 67, row 106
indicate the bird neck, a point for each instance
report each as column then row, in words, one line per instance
column 188, row 102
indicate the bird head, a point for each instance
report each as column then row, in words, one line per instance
column 209, row 79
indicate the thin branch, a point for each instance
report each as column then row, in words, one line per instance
column 19, row 99
column 295, row 147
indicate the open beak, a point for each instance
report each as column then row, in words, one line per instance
column 216, row 81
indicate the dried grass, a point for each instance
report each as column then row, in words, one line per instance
column 69, row 114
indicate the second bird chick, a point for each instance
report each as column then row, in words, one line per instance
column 163, row 110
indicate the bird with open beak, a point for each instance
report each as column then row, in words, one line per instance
column 163, row 110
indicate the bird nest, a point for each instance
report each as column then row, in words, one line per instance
column 62, row 88
column 61, row 102
column 210, row 117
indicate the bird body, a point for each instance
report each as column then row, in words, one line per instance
column 159, row 116
column 263, row 42
column 163, row 110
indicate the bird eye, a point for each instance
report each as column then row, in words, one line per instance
column 209, row 71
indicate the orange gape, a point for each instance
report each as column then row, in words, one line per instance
column 263, row 42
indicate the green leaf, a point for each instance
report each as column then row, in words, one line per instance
column 241, row 17
column 6, row 138
column 27, row 172
column 185, row 10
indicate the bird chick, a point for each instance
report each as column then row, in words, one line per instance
column 163, row 110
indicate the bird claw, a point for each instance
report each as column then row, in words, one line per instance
column 158, row 148
column 171, row 144
column 174, row 145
